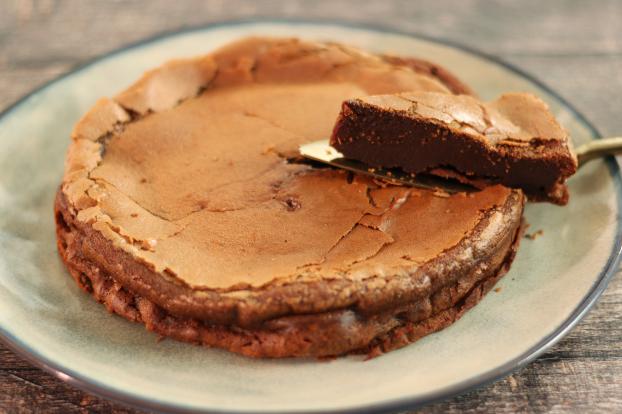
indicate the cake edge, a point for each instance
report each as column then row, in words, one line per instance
column 327, row 334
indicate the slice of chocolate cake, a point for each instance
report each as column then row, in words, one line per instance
column 514, row 140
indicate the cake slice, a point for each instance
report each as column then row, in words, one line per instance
column 514, row 141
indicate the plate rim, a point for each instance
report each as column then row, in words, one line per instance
column 91, row 385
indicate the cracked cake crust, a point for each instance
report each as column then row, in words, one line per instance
column 167, row 199
column 367, row 296
column 334, row 332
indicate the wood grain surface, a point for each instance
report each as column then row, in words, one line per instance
column 573, row 46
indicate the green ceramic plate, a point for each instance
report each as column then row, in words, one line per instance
column 46, row 318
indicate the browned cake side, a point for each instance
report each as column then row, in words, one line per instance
column 102, row 270
column 513, row 141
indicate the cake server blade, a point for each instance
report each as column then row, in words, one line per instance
column 322, row 152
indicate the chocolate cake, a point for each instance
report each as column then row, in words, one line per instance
column 183, row 207
column 514, row 140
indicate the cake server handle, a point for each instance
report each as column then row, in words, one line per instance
column 598, row 148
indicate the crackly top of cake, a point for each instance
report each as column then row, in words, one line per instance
column 513, row 117
column 188, row 170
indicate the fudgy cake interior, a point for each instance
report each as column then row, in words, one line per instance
column 184, row 207
column 514, row 140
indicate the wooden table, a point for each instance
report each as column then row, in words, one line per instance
column 574, row 46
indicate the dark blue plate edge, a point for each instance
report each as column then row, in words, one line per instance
column 502, row 371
